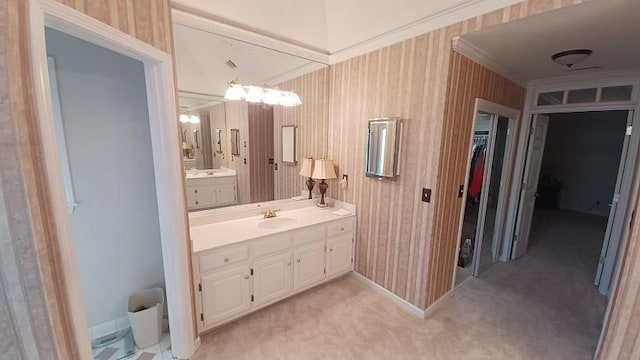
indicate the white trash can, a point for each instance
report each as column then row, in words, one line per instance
column 145, row 315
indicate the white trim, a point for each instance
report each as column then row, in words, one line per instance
column 457, row 13
column 167, row 165
column 476, row 54
column 302, row 70
column 439, row 304
column 466, row 9
column 402, row 303
column 186, row 16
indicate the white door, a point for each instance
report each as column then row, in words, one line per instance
column 272, row 278
column 308, row 266
column 339, row 257
column 617, row 214
column 529, row 189
column 225, row 294
column 226, row 194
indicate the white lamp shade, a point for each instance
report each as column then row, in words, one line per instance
column 235, row 92
column 254, row 94
column 194, row 119
column 323, row 169
column 307, row 167
column 271, row 97
column 184, row 118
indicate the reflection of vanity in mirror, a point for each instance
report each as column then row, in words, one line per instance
column 246, row 151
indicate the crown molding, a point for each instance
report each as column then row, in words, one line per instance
column 198, row 20
column 299, row 71
column 457, row 13
column 476, row 54
column 588, row 79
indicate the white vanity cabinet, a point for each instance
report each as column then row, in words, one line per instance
column 211, row 191
column 239, row 278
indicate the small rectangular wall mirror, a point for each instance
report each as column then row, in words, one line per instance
column 289, row 144
column 383, row 148
column 217, row 141
column 235, row 142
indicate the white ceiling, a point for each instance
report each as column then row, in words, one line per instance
column 201, row 63
column 332, row 26
column 609, row 27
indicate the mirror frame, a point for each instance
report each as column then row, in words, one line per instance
column 290, row 133
column 218, row 141
column 235, row 142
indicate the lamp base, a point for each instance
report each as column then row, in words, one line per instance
column 322, row 206
column 310, row 184
column 323, row 189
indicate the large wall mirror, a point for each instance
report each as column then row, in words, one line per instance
column 239, row 152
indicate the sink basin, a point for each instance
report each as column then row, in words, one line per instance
column 277, row 223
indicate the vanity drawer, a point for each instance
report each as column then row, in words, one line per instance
column 309, row 235
column 271, row 244
column 225, row 256
column 340, row 227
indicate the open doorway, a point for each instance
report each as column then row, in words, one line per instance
column 489, row 168
column 574, row 183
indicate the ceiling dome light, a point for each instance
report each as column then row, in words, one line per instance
column 254, row 94
column 235, row 91
column 569, row 58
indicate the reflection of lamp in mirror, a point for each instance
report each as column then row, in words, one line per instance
column 307, row 170
column 323, row 170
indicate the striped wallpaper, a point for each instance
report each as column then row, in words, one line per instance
column 311, row 119
column 467, row 81
column 397, row 246
column 261, row 147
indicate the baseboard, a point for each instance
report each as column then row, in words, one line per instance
column 438, row 304
column 402, row 303
column 196, row 345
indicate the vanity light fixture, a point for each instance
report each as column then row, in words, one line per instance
column 569, row 58
column 193, row 119
column 307, row 170
column 323, row 170
column 257, row 94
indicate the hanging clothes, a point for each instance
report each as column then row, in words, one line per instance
column 478, row 173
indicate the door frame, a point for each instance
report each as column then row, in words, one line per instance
column 167, row 160
column 611, row 78
column 513, row 115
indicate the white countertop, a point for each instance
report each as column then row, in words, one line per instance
column 209, row 173
column 209, row 236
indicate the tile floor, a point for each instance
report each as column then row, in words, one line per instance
column 161, row 351
column 542, row 306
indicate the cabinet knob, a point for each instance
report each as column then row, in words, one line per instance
column 289, row 264
column 196, row 203
column 226, row 259
column 341, row 228
column 196, row 191
column 298, row 260
column 246, row 277
column 330, row 249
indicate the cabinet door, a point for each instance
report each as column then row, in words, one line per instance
column 226, row 194
column 207, row 196
column 309, row 266
column 192, row 199
column 225, row 294
column 339, row 254
column 272, row 278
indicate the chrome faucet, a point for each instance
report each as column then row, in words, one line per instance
column 270, row 213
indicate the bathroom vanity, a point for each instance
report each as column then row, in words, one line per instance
column 211, row 188
column 243, row 264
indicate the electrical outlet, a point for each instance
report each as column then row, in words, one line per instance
column 426, row 195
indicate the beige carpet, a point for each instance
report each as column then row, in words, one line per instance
column 542, row 306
